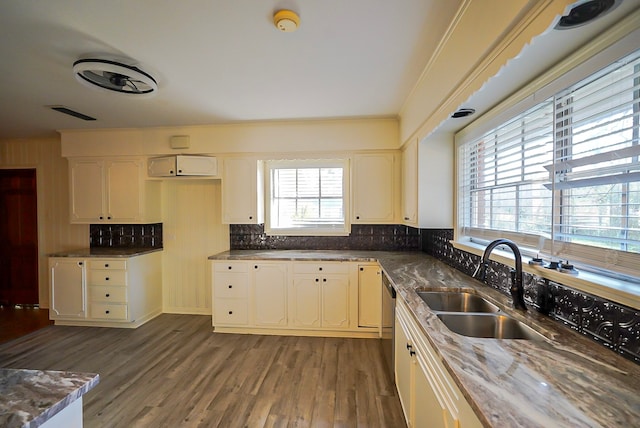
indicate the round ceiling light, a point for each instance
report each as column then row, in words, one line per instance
column 586, row 11
column 114, row 76
column 286, row 21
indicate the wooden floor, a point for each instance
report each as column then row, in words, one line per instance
column 174, row 372
column 16, row 322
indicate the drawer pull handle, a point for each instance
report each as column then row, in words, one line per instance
column 107, row 295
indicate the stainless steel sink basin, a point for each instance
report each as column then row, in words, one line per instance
column 447, row 301
column 490, row 326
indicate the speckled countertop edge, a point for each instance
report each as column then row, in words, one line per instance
column 29, row 398
column 106, row 252
column 563, row 381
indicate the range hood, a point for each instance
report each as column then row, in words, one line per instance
column 182, row 165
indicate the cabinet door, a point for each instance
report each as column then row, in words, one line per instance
column 335, row 301
column 373, row 188
column 403, row 362
column 428, row 412
column 270, row 294
column 241, row 194
column 306, row 300
column 410, row 183
column 86, row 187
column 124, row 190
column 67, row 279
column 369, row 296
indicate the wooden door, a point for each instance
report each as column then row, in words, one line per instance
column 19, row 237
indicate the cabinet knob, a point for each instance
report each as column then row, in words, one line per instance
column 108, row 217
column 357, row 217
column 320, row 268
column 317, row 280
column 171, row 172
column 106, row 279
column 255, row 267
column 324, row 279
column 106, row 265
column 231, row 286
column 406, row 218
column 230, row 312
column 412, row 353
column 79, row 263
column 361, row 269
column 250, row 217
column 107, row 295
column 179, row 171
column 229, row 268
column 106, row 312
column 101, row 218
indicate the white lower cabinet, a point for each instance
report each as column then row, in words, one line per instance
column 321, row 295
column 295, row 297
column 67, row 279
column 269, row 289
column 369, row 295
column 428, row 395
column 109, row 292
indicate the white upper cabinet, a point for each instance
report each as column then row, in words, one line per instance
column 242, row 191
column 112, row 191
column 410, row 184
column 183, row 165
column 374, row 188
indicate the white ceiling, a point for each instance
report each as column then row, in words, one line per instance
column 220, row 61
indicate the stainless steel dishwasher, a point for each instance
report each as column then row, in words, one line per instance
column 388, row 322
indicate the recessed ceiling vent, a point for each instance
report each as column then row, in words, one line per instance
column 114, row 76
column 67, row 110
column 586, row 11
column 463, row 112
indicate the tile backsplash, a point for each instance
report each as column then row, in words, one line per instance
column 362, row 237
column 610, row 324
column 126, row 235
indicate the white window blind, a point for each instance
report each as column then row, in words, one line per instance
column 306, row 197
column 563, row 177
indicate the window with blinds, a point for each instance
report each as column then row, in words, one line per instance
column 306, row 197
column 563, row 178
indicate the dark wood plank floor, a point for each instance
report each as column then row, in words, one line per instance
column 174, row 372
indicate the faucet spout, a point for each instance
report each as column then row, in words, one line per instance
column 517, row 282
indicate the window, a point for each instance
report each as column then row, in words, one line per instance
column 307, row 197
column 563, row 178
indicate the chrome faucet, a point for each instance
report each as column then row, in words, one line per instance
column 517, row 287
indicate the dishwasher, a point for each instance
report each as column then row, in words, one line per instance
column 388, row 320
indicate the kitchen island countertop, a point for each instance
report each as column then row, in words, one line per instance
column 566, row 380
column 29, row 398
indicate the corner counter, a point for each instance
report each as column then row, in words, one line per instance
column 35, row 398
column 565, row 380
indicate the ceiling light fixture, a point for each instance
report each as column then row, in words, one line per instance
column 463, row 112
column 586, row 11
column 286, row 21
column 114, row 76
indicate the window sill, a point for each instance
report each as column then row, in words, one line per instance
column 617, row 291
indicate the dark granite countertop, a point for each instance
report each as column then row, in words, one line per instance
column 29, row 398
column 563, row 381
column 106, row 252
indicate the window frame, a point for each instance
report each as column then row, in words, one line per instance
column 345, row 228
column 598, row 55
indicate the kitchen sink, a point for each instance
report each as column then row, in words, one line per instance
column 492, row 326
column 449, row 301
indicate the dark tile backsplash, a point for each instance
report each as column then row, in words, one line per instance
column 126, row 235
column 612, row 325
column 362, row 237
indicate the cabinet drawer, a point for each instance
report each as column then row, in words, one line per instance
column 231, row 312
column 108, row 311
column 108, row 264
column 322, row 268
column 231, row 267
column 106, row 277
column 231, row 285
column 105, row 293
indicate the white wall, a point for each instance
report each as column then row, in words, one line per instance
column 54, row 231
column 436, row 191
